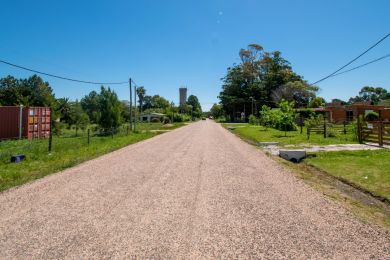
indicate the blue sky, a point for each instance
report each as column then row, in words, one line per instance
column 166, row 44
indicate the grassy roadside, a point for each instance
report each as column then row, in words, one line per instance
column 325, row 172
column 363, row 206
column 369, row 170
column 67, row 150
column 262, row 134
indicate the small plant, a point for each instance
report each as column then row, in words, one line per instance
column 253, row 120
column 331, row 132
column 165, row 120
column 372, row 116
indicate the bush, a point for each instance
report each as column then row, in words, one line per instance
column 253, row 120
column 331, row 132
column 155, row 120
column 282, row 119
column 372, row 116
column 165, row 120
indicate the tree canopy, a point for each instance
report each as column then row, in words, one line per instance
column 371, row 94
column 32, row 91
column 264, row 78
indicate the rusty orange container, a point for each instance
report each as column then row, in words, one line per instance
column 24, row 122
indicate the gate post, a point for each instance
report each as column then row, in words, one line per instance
column 359, row 130
column 380, row 129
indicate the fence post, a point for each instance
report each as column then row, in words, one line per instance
column 359, row 130
column 89, row 141
column 380, row 129
column 301, row 124
column 380, row 133
column 324, row 127
column 51, row 131
column 345, row 129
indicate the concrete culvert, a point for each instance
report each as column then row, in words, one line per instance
column 293, row 155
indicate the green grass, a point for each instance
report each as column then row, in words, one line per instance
column 367, row 169
column 67, row 150
column 261, row 134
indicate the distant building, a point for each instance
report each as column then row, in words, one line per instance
column 337, row 112
column 183, row 96
column 149, row 117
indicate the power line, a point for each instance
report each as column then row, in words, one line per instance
column 332, row 74
column 135, row 83
column 63, row 78
column 363, row 65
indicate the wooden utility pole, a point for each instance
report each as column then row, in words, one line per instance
column 135, row 106
column 131, row 112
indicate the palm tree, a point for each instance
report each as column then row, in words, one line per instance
column 141, row 91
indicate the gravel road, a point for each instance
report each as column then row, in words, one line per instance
column 196, row 192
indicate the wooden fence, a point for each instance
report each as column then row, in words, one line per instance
column 325, row 127
column 374, row 132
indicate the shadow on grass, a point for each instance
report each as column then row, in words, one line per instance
column 283, row 136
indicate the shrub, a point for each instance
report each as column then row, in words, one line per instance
column 372, row 116
column 165, row 120
column 266, row 117
column 253, row 120
column 155, row 120
column 282, row 119
column 331, row 132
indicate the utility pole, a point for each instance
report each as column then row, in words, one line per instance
column 131, row 112
column 135, row 105
column 252, row 103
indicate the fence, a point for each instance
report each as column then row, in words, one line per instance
column 377, row 132
column 327, row 129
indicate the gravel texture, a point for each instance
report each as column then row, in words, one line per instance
column 196, row 192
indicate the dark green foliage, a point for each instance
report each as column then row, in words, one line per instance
column 32, row 91
column 306, row 113
column 110, row 109
column 155, row 102
column 165, row 120
column 317, row 102
column 78, row 117
column 253, row 120
column 90, row 104
column 141, row 91
column 258, row 77
column 282, row 118
column 216, row 111
column 372, row 116
column 371, row 94
column 195, row 109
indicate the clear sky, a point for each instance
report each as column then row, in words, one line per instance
column 166, row 44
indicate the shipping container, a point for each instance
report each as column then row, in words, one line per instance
column 24, row 122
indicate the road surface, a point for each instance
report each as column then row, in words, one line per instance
column 196, row 192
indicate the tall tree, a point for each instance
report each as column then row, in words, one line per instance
column 141, row 91
column 110, row 109
column 78, row 117
column 255, row 79
column 216, row 111
column 371, row 94
column 90, row 104
column 299, row 92
column 32, row 91
column 196, row 109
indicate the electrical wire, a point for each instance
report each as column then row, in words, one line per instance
column 363, row 65
column 61, row 77
column 360, row 55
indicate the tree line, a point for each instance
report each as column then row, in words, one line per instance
column 267, row 79
column 102, row 108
